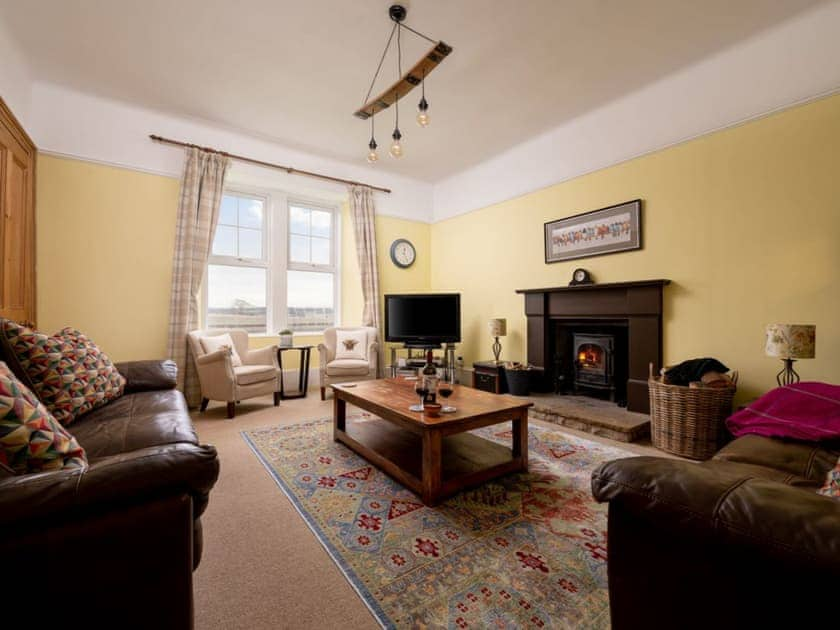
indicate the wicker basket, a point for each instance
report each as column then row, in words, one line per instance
column 688, row 421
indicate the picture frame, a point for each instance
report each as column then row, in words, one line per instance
column 599, row 232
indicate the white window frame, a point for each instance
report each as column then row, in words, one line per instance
column 335, row 253
column 276, row 249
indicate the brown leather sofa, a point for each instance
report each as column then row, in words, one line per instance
column 114, row 545
column 739, row 541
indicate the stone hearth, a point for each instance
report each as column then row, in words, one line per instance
column 599, row 417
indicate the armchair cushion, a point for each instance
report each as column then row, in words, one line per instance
column 350, row 344
column 217, row 342
column 31, row 440
column 250, row 374
column 67, row 371
column 348, row 367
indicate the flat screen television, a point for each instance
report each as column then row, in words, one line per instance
column 423, row 320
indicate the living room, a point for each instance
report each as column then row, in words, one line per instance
column 716, row 129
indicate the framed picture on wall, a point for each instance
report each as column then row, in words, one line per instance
column 609, row 230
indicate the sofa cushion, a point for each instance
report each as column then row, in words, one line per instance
column 217, row 342
column 831, row 487
column 803, row 459
column 250, row 374
column 67, row 371
column 31, row 440
column 347, row 367
column 136, row 421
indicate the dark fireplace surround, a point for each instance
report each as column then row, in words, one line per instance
column 630, row 312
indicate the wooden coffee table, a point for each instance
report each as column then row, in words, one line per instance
column 434, row 457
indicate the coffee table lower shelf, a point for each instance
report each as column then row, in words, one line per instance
column 465, row 459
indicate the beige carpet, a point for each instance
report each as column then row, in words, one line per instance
column 262, row 567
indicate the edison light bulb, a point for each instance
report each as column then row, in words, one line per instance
column 396, row 147
column 422, row 114
column 372, row 156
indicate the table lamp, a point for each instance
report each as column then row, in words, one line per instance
column 498, row 328
column 790, row 342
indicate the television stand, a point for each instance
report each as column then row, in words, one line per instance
column 446, row 362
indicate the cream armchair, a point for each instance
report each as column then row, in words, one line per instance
column 220, row 376
column 345, row 370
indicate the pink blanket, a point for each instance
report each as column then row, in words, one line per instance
column 804, row 411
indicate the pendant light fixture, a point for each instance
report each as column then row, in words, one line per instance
column 423, row 105
column 396, row 147
column 372, row 155
column 405, row 83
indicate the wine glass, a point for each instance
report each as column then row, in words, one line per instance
column 421, row 390
column 445, row 389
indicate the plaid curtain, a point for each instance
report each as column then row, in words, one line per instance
column 198, row 213
column 363, row 214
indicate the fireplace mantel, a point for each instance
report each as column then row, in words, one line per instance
column 600, row 287
column 638, row 305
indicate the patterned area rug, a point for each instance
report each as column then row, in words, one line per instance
column 526, row 550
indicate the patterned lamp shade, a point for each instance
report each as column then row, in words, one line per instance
column 791, row 341
column 498, row 327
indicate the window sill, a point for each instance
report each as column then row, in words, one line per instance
column 319, row 333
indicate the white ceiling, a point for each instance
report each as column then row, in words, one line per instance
column 294, row 72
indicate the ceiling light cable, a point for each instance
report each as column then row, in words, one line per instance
column 381, row 59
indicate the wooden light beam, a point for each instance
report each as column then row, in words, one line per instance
column 408, row 82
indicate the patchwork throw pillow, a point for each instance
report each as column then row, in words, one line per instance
column 350, row 344
column 217, row 342
column 67, row 371
column 832, row 483
column 30, row 438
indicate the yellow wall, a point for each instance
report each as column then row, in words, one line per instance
column 745, row 222
column 104, row 256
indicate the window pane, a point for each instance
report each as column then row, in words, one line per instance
column 298, row 220
column 250, row 213
column 299, row 248
column 250, row 243
column 321, row 223
column 320, row 251
column 310, row 301
column 224, row 243
column 227, row 214
column 236, row 298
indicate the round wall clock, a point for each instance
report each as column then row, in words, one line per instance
column 403, row 253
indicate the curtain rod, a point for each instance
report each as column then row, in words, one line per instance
column 290, row 170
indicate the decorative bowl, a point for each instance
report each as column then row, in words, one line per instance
column 432, row 409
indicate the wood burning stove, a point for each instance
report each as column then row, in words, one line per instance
column 594, row 361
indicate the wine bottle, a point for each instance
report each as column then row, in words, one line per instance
column 430, row 378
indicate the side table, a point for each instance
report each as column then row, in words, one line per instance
column 489, row 376
column 303, row 373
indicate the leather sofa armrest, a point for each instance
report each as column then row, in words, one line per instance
column 718, row 502
column 143, row 376
column 110, row 482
